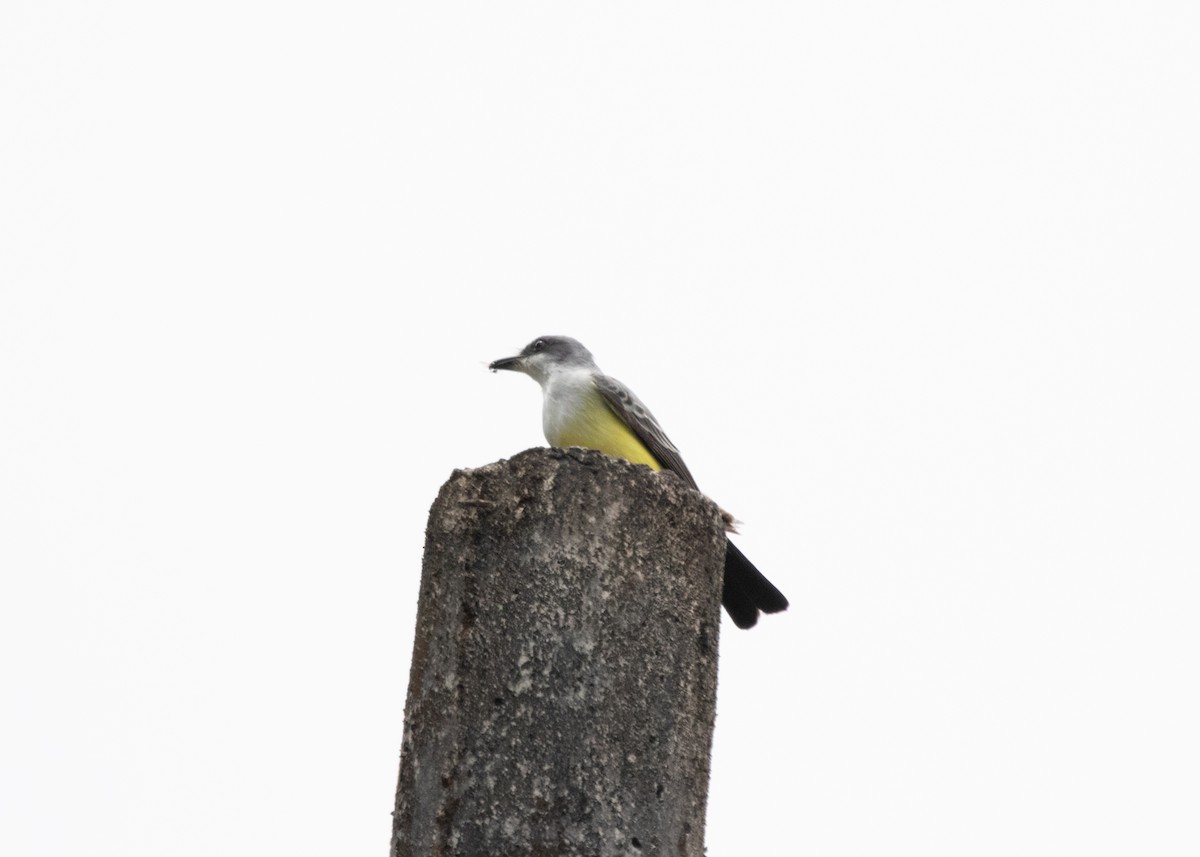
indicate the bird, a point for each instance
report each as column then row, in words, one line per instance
column 581, row 406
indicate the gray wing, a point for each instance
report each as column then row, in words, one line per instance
column 630, row 410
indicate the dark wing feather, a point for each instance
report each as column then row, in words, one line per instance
column 630, row 410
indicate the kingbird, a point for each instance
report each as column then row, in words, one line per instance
column 581, row 406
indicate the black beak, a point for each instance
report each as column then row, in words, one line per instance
column 506, row 363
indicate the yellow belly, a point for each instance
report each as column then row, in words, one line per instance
column 597, row 427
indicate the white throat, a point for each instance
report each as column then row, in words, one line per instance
column 566, row 393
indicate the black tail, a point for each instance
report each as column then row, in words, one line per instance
column 746, row 591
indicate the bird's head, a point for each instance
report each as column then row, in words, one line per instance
column 546, row 355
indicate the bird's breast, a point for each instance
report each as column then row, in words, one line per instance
column 575, row 414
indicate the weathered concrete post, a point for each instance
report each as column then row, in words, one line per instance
column 564, row 671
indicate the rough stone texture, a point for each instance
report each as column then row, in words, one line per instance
column 564, row 670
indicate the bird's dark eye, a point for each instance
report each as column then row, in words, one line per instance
column 539, row 344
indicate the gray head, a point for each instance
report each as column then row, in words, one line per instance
column 547, row 354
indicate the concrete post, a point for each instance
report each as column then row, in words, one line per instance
column 564, row 671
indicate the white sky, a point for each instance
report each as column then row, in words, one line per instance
column 912, row 286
